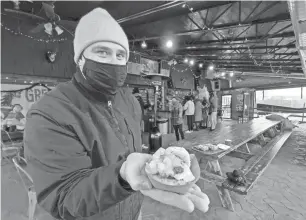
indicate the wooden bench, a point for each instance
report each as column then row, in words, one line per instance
column 253, row 168
column 257, row 164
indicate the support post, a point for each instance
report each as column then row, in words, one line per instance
column 224, row 194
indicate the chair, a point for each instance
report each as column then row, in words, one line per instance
column 9, row 146
column 20, row 164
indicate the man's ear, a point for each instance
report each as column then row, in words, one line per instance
column 81, row 63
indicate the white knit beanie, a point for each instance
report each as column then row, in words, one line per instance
column 98, row 26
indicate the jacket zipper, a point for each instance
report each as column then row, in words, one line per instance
column 131, row 133
column 110, row 107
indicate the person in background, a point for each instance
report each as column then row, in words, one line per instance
column 177, row 117
column 205, row 111
column 14, row 120
column 213, row 108
column 198, row 112
column 189, row 112
column 137, row 94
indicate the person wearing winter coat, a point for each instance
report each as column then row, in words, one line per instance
column 82, row 139
column 205, row 111
column 198, row 112
column 137, row 95
column 177, row 118
column 189, row 112
column 213, row 108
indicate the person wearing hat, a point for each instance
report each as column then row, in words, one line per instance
column 82, row 139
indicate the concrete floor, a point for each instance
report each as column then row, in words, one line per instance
column 278, row 195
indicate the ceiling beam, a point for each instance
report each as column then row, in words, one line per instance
column 255, row 38
column 182, row 12
column 264, row 64
column 252, row 69
column 249, row 60
column 272, row 76
column 232, row 54
column 200, row 48
column 279, row 86
column 282, row 17
column 151, row 11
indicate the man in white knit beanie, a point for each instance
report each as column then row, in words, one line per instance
column 83, row 138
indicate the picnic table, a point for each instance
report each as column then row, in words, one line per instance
column 240, row 135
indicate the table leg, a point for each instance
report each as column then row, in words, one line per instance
column 203, row 166
column 261, row 140
column 247, row 148
column 224, row 194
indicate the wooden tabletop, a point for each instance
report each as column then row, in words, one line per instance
column 239, row 134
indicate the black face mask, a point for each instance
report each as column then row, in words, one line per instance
column 104, row 77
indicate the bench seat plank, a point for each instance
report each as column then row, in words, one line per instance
column 257, row 165
column 240, row 155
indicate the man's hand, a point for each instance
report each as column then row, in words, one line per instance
column 132, row 171
column 188, row 202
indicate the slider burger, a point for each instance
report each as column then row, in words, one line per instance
column 171, row 170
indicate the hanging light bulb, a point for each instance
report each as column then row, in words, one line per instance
column 169, row 44
column 201, row 65
column 48, row 28
column 143, row 45
column 223, row 74
column 211, row 67
column 58, row 30
column 184, row 5
column 231, row 74
column 191, row 62
column 186, row 60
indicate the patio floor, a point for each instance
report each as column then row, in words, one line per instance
column 278, row 195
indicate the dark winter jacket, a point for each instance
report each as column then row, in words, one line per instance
column 75, row 144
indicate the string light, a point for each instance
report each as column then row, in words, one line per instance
column 169, row 44
column 264, row 61
column 36, row 39
column 144, row 44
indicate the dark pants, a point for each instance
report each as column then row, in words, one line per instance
column 190, row 122
column 178, row 129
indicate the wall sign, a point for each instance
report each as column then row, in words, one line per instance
column 149, row 66
column 25, row 98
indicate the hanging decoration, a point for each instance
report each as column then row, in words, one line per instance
column 50, row 56
column 36, row 39
column 264, row 61
column 27, row 88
